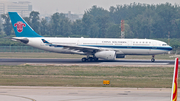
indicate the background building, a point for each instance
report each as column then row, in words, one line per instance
column 22, row 7
column 73, row 17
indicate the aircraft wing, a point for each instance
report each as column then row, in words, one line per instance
column 80, row 48
column 74, row 47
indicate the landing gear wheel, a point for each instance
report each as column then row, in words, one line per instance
column 152, row 60
column 90, row 59
column 84, row 59
column 96, row 59
column 93, row 59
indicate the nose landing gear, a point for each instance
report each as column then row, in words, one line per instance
column 153, row 60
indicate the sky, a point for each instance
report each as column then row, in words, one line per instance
column 79, row 6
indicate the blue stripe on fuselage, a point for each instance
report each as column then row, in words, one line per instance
column 132, row 47
column 124, row 47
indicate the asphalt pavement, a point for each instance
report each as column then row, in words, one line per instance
column 78, row 61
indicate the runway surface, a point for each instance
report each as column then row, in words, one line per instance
column 78, row 61
column 23, row 93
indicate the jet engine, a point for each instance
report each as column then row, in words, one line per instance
column 106, row 55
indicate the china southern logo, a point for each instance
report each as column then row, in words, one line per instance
column 19, row 26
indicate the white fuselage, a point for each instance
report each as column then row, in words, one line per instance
column 120, row 46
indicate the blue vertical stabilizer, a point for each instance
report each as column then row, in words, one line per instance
column 21, row 28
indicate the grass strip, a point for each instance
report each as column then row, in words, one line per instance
column 86, row 76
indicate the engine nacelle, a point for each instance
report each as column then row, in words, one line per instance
column 106, row 55
column 120, row 56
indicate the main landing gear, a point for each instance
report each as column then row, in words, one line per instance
column 89, row 59
column 153, row 60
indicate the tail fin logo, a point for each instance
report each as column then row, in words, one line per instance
column 19, row 26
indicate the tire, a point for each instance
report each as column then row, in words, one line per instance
column 89, row 59
column 93, row 59
column 152, row 60
column 84, row 59
column 96, row 59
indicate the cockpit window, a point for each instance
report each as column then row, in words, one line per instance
column 164, row 44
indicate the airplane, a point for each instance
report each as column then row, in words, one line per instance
column 93, row 48
column 175, row 82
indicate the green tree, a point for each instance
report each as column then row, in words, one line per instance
column 55, row 24
column 128, row 31
column 77, row 28
column 8, row 29
column 87, row 22
column 97, row 11
column 34, row 21
column 126, row 12
column 0, row 26
column 60, row 25
column 176, row 24
column 167, row 13
column 176, row 28
column 65, row 26
column 95, row 22
column 102, row 22
column 27, row 19
column 113, row 31
column 94, row 30
column 143, row 24
column 44, row 27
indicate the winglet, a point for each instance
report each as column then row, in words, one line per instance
column 175, row 82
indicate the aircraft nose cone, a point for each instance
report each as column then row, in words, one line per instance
column 170, row 48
